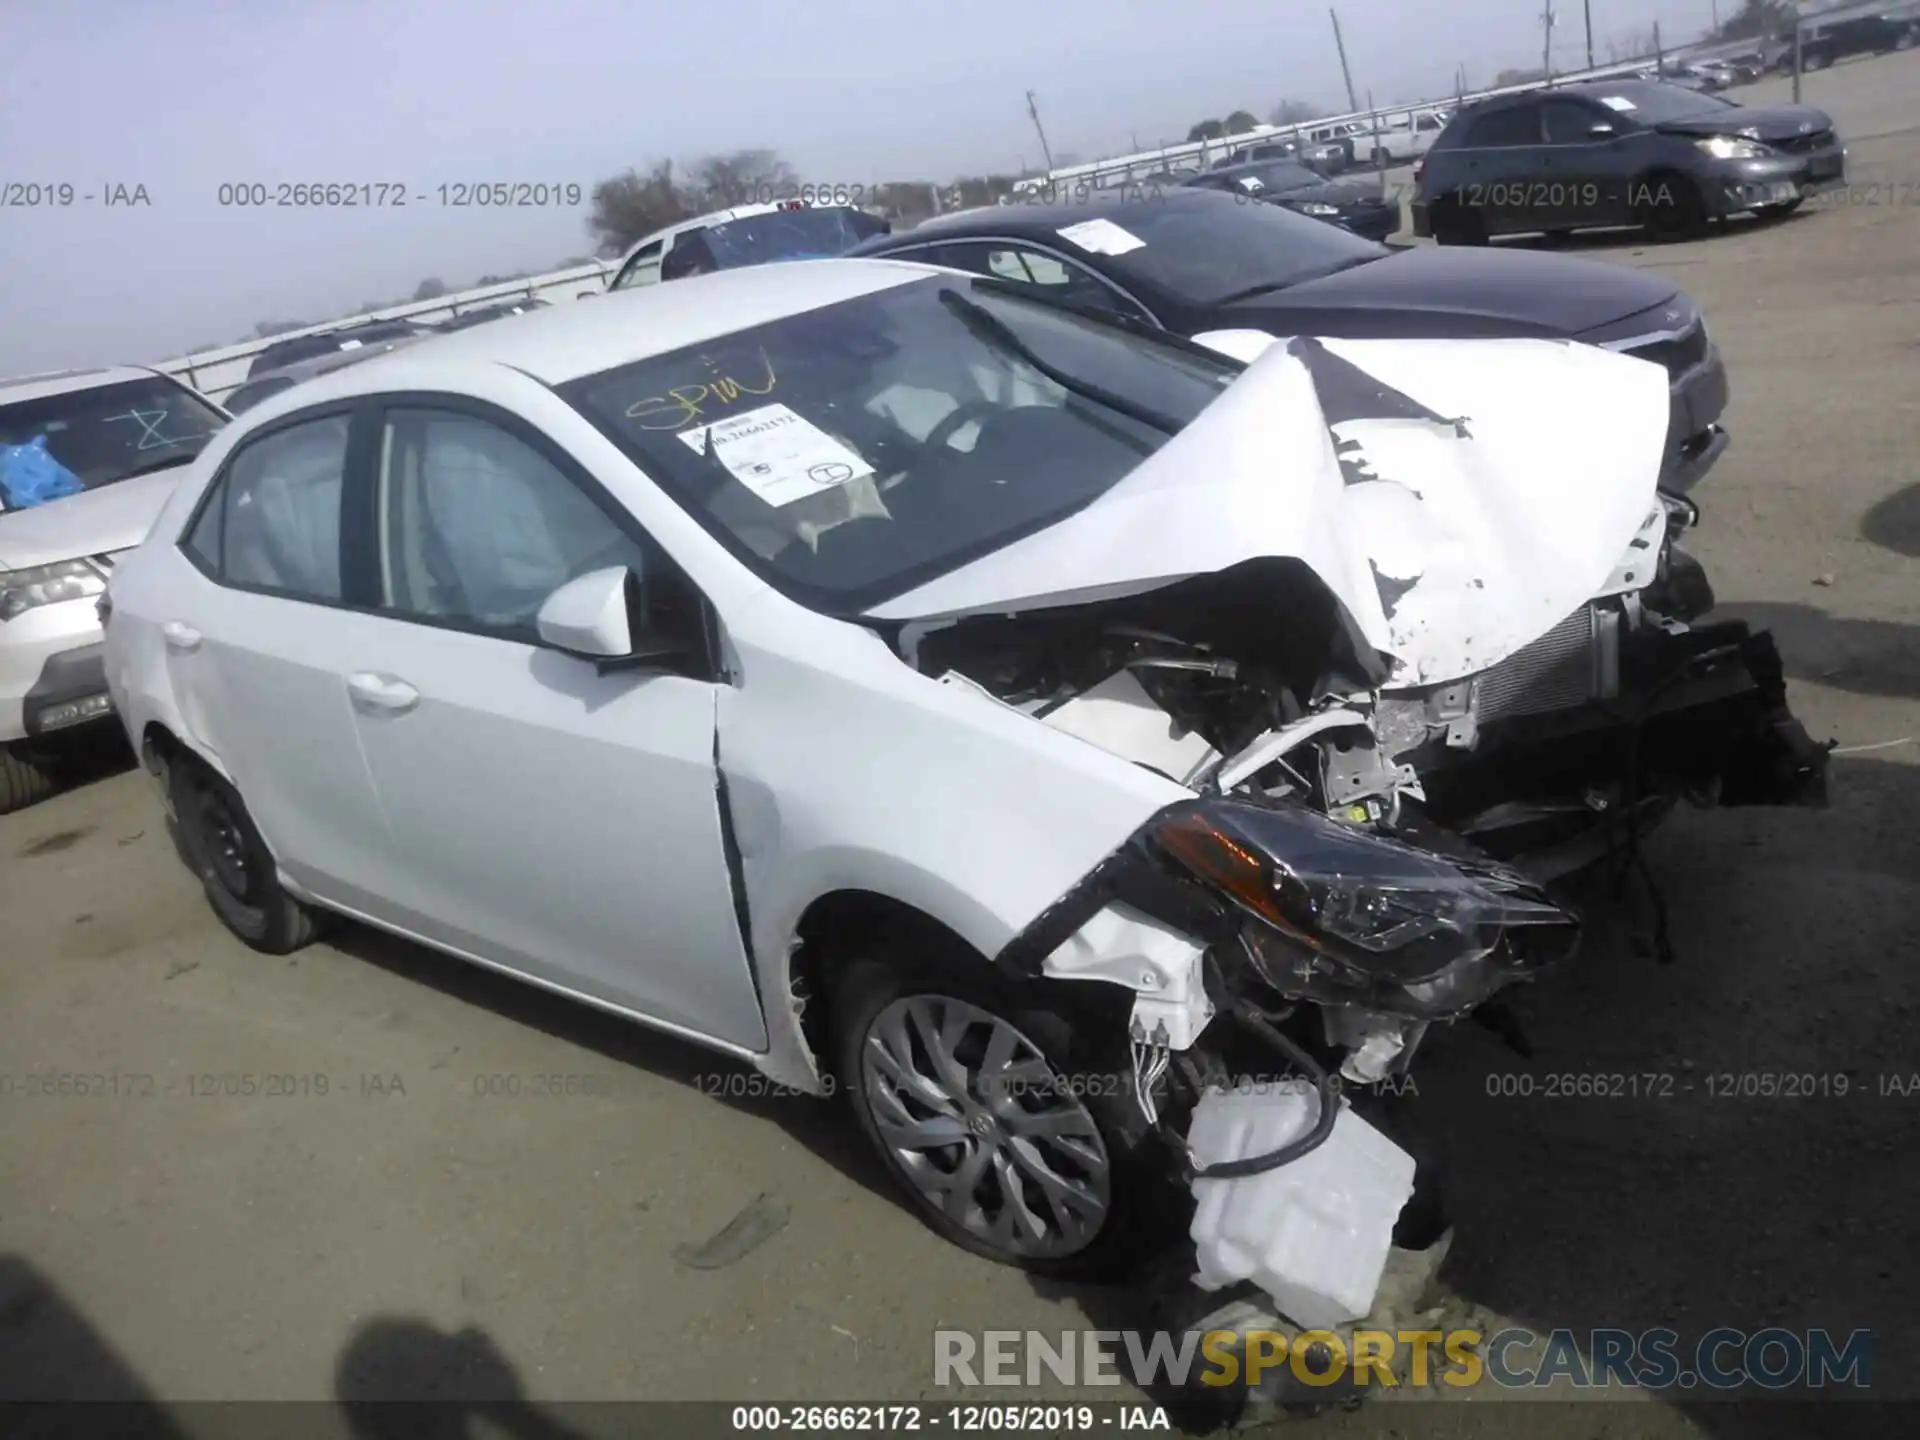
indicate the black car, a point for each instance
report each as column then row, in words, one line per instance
column 291, row 351
column 1194, row 261
column 1355, row 205
column 1824, row 42
column 1613, row 153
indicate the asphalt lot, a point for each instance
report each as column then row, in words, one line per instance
column 409, row 1234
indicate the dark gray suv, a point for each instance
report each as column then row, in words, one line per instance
column 1612, row 153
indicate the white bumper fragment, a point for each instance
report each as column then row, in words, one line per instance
column 1158, row 963
column 1314, row 1233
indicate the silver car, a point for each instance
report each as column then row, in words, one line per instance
column 87, row 459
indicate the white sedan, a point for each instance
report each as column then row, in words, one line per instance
column 915, row 689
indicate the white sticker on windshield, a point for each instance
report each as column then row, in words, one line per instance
column 1248, row 182
column 351, row 344
column 778, row 455
column 1616, row 102
column 1100, row 237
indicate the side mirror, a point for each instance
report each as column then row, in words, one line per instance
column 600, row 617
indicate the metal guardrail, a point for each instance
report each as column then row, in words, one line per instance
column 217, row 373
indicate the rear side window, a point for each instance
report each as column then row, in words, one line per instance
column 1516, row 125
column 273, row 520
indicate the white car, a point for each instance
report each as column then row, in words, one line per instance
column 113, row 443
column 918, row 690
column 745, row 235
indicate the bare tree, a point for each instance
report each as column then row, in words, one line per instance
column 635, row 204
column 742, row 177
column 1293, row 112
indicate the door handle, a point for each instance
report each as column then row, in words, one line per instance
column 180, row 636
column 381, row 694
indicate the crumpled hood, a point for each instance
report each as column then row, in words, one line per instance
column 1459, row 498
column 94, row 522
column 1766, row 122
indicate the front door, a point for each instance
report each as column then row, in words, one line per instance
column 542, row 815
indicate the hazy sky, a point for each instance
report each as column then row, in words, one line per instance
column 180, row 96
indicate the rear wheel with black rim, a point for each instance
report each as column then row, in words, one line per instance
column 219, row 842
column 1009, row 1129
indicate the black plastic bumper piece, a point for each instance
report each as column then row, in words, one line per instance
column 71, row 675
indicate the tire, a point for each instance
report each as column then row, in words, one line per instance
column 218, row 841
column 24, row 780
column 1906, row 39
column 1680, row 215
column 1455, row 224
column 1814, row 60
column 909, row 996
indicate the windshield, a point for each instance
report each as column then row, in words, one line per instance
column 852, row 452
column 85, row 439
column 1653, row 104
column 1277, row 175
column 1206, row 253
column 815, row 233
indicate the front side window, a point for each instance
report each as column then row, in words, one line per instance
column 278, row 521
column 1570, row 123
column 849, row 452
column 479, row 527
column 59, row 445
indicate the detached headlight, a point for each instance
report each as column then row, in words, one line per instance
column 23, row 590
column 1316, row 207
column 1346, row 913
column 1725, row 147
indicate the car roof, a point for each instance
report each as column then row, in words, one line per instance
column 1044, row 222
column 564, row 342
column 61, row 382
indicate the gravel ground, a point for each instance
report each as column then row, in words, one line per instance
column 405, row 1234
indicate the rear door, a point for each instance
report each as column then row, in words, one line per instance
column 1502, row 154
column 257, row 650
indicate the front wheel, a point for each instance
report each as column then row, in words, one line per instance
column 1001, row 1122
column 219, row 842
column 1669, row 207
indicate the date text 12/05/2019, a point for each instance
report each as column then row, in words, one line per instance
column 395, row 195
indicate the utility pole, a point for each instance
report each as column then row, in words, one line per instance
column 1033, row 109
column 1546, row 42
column 1353, row 100
column 1587, row 7
column 1659, row 53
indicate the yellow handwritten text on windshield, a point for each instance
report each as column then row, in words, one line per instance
column 684, row 404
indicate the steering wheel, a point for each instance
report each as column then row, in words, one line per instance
column 951, row 422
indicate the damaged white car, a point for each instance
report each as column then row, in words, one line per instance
column 1021, row 725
